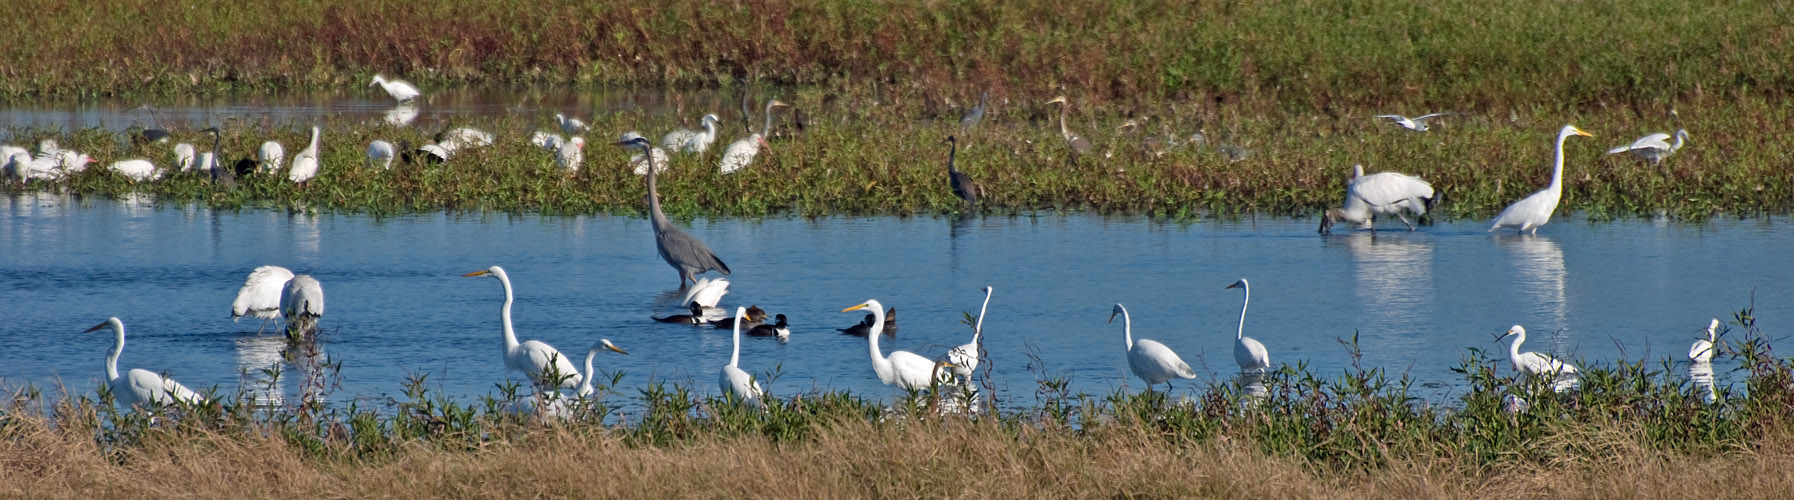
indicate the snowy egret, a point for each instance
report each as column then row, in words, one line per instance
column 965, row 357
column 1535, row 210
column 1078, row 144
column 303, row 305
column 139, row 387
column 1532, row 363
column 1702, row 350
column 904, row 369
column 1247, row 351
column 569, row 125
column 398, row 89
column 1385, row 193
column 735, row 382
column 1653, row 148
column 706, row 292
column 382, row 152
column 962, row 184
column 1417, row 124
column 692, row 141
column 779, row 328
column 534, row 358
column 1148, row 359
column 305, row 164
column 686, row 253
column 270, row 155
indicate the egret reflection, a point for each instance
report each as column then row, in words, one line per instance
column 1394, row 279
column 401, row 115
column 259, row 360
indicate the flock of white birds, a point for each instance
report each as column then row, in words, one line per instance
column 272, row 292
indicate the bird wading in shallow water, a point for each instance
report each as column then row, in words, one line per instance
column 1385, row 193
column 1533, row 211
column 688, row 255
column 1247, row 351
column 1148, row 359
column 140, row 388
column 545, row 366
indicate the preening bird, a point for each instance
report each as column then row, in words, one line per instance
column 261, row 294
column 272, row 154
column 1148, row 359
column 1534, row 211
column 906, row 370
column 706, row 292
column 688, row 255
column 303, row 305
column 962, row 184
column 1248, row 352
column 780, row 329
column 305, row 164
column 1652, row 148
column 137, row 170
column 735, row 382
column 184, row 156
column 965, row 357
column 534, row 358
column 381, row 152
column 569, row 125
column 1079, row 145
column 1417, row 124
column 1532, row 363
column 743, row 151
column 398, row 89
column 1384, row 193
column 1702, row 350
column 692, row 141
column 548, row 141
column 140, row 388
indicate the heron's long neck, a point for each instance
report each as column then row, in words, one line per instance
column 709, row 129
column 1127, row 329
column 585, row 381
column 216, row 138
column 658, row 218
column 1680, row 135
column 504, row 315
column 953, row 152
column 978, row 329
column 118, row 347
column 735, row 356
column 1064, row 109
column 879, row 363
column 313, row 148
column 1241, row 333
column 766, row 130
column 1513, row 350
column 1557, row 172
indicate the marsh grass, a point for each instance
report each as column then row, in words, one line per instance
column 1629, row 430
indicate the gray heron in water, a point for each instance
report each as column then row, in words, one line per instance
column 687, row 254
column 963, row 187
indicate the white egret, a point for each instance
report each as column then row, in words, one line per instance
column 382, row 152
column 692, row 141
column 184, row 156
column 779, row 329
column 302, row 305
column 1247, row 351
column 464, row 137
column 742, row 152
column 1702, row 350
column 548, row 141
column 139, row 387
column 1079, row 145
column 965, row 357
column 305, row 164
column 1148, row 359
column 137, row 170
column 398, row 89
column 557, row 406
column 262, row 295
column 1532, row 363
column 270, row 156
column 904, row 369
column 1417, row 124
column 570, row 125
column 1652, row 148
column 18, row 167
column 1535, row 210
column 48, row 148
column 571, row 154
column 706, row 292
column 7, row 150
column 1384, row 193
column 734, row 381
column 534, row 358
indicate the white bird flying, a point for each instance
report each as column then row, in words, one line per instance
column 1652, row 148
column 1417, row 124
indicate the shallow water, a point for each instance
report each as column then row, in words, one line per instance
column 398, row 306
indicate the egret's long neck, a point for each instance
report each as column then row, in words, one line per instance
column 709, row 129
column 1513, row 350
column 1127, row 329
column 1680, row 135
column 766, row 131
column 118, row 347
column 1064, row 109
column 1557, row 172
column 879, row 363
column 978, row 329
column 1241, row 333
column 585, row 381
column 735, row 356
column 504, row 315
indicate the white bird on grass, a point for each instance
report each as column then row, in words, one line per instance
column 382, row 152
column 270, row 156
column 1653, row 148
column 1417, row 124
column 305, row 164
column 571, row 154
column 1533, row 211
column 638, row 162
column 140, row 388
column 1148, row 359
column 570, row 125
column 742, row 152
column 548, row 141
column 555, row 406
column 1383, row 193
column 137, row 170
column 692, row 141
column 184, row 155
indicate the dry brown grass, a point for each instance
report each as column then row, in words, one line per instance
column 849, row 460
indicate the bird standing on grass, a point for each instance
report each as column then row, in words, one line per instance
column 962, row 184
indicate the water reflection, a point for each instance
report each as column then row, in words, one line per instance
column 1540, row 274
column 401, row 116
column 1394, row 279
column 1252, row 384
column 1701, row 373
column 259, row 359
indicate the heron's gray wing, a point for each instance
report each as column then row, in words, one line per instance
column 686, row 251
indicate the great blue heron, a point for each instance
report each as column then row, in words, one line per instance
column 1532, row 363
column 962, row 184
column 779, row 328
column 742, row 152
column 1417, row 124
column 976, row 114
column 140, row 387
column 692, row 141
column 965, row 357
column 1247, row 351
column 734, row 381
column 1653, row 148
column 1078, row 144
column 1533, row 211
column 1148, row 359
column 398, row 89
column 1384, row 193
column 688, row 255
column 534, row 358
column 305, row 164
column 904, row 369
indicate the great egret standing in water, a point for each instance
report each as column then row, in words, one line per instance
column 1702, row 350
column 742, row 152
column 1384, row 193
column 1532, row 363
column 140, row 387
column 558, row 407
column 1417, row 124
column 1534, row 211
column 687, row 254
column 305, row 164
column 904, row 369
column 734, row 381
column 1078, row 144
column 398, row 89
column 1247, row 351
column 532, row 357
column 965, row 357
column 1652, row 148
column 1148, row 359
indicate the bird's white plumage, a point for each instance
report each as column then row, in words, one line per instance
column 1249, row 353
column 18, row 167
column 138, row 170
column 1702, row 350
column 904, row 369
column 552, row 404
column 569, row 125
column 1417, row 124
column 1532, row 363
column 741, row 153
column 692, row 141
column 638, row 162
column 304, row 296
column 305, row 164
column 140, row 388
column 400, row 90
column 1384, row 193
column 548, row 141
column 261, row 293
column 706, row 292
column 965, row 357
column 1653, row 148
column 536, row 359
column 1533, row 211
column 381, row 152
column 270, row 156
column 184, row 156
column 571, row 154
column 1148, row 359
column 734, row 381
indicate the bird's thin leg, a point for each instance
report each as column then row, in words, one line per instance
column 265, row 321
column 1404, row 219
